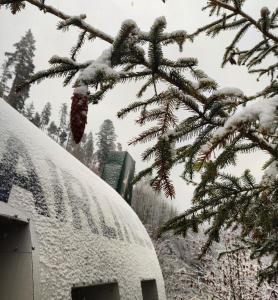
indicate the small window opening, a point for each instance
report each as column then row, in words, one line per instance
column 149, row 290
column 108, row 291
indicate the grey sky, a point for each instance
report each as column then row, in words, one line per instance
column 108, row 15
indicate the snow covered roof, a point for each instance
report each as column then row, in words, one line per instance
column 86, row 233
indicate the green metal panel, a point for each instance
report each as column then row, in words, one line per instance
column 118, row 172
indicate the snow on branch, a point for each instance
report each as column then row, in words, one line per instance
column 100, row 65
column 55, row 59
column 81, row 24
column 265, row 111
column 262, row 113
column 234, row 92
column 74, row 20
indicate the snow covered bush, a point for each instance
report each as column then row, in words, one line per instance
column 232, row 276
column 151, row 206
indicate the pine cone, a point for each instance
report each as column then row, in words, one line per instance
column 78, row 115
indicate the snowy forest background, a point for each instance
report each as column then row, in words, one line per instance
column 234, row 275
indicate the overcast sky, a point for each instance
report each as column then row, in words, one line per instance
column 107, row 15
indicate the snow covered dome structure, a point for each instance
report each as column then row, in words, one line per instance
column 64, row 232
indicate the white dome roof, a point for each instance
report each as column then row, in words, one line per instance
column 86, row 233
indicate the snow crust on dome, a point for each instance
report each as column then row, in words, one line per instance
column 87, row 234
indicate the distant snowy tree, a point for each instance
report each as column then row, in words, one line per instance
column 22, row 60
column 63, row 136
column 29, row 111
column 69, row 143
column 52, row 130
column 63, row 124
column 106, row 138
column 36, row 120
column 84, row 151
column 63, row 116
column 78, row 149
column 88, row 150
column 5, row 77
column 197, row 124
column 45, row 115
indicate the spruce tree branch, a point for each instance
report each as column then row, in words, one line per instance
column 83, row 25
column 207, row 204
column 247, row 17
column 163, row 75
column 202, row 99
column 263, row 144
column 129, row 75
column 204, row 28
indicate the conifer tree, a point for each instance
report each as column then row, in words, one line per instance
column 37, row 120
column 5, row 77
column 45, row 115
column 88, row 150
column 63, row 117
column 63, row 124
column 29, row 111
column 63, row 138
column 52, row 130
column 106, row 138
column 22, row 60
column 77, row 150
column 219, row 123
